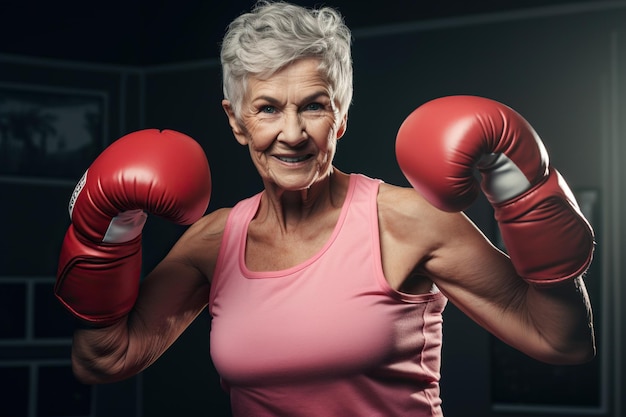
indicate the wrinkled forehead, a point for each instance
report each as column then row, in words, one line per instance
column 303, row 76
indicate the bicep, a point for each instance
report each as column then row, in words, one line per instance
column 478, row 278
column 549, row 324
column 482, row 282
column 464, row 257
column 171, row 296
column 177, row 289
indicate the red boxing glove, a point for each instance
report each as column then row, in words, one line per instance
column 443, row 143
column 160, row 172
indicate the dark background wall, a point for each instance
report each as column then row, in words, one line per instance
column 560, row 64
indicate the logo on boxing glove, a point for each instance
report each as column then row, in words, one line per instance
column 76, row 192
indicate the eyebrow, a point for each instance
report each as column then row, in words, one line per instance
column 306, row 99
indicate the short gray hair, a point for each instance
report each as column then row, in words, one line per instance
column 275, row 34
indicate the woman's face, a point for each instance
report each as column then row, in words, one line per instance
column 290, row 126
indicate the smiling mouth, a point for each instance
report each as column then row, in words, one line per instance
column 293, row 159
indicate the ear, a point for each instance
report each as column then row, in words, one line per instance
column 342, row 127
column 238, row 131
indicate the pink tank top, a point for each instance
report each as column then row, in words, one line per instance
column 328, row 337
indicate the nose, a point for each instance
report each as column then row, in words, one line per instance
column 293, row 130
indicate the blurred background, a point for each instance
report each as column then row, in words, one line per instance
column 74, row 76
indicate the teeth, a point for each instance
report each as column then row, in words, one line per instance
column 288, row 159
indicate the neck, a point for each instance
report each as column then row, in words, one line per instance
column 290, row 208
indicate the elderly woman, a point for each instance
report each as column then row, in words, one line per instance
column 326, row 289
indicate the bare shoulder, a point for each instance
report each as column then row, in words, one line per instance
column 404, row 199
column 412, row 232
column 210, row 225
column 406, row 214
column 446, row 247
column 200, row 244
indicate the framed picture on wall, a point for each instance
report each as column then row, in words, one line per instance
column 49, row 133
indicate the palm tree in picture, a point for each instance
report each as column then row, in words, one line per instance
column 30, row 128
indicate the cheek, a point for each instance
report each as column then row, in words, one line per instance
column 260, row 137
column 257, row 146
column 324, row 128
column 330, row 144
column 326, row 153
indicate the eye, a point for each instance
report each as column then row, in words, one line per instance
column 268, row 109
column 314, row 106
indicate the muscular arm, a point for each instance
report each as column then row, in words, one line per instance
column 170, row 298
column 535, row 299
column 551, row 324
